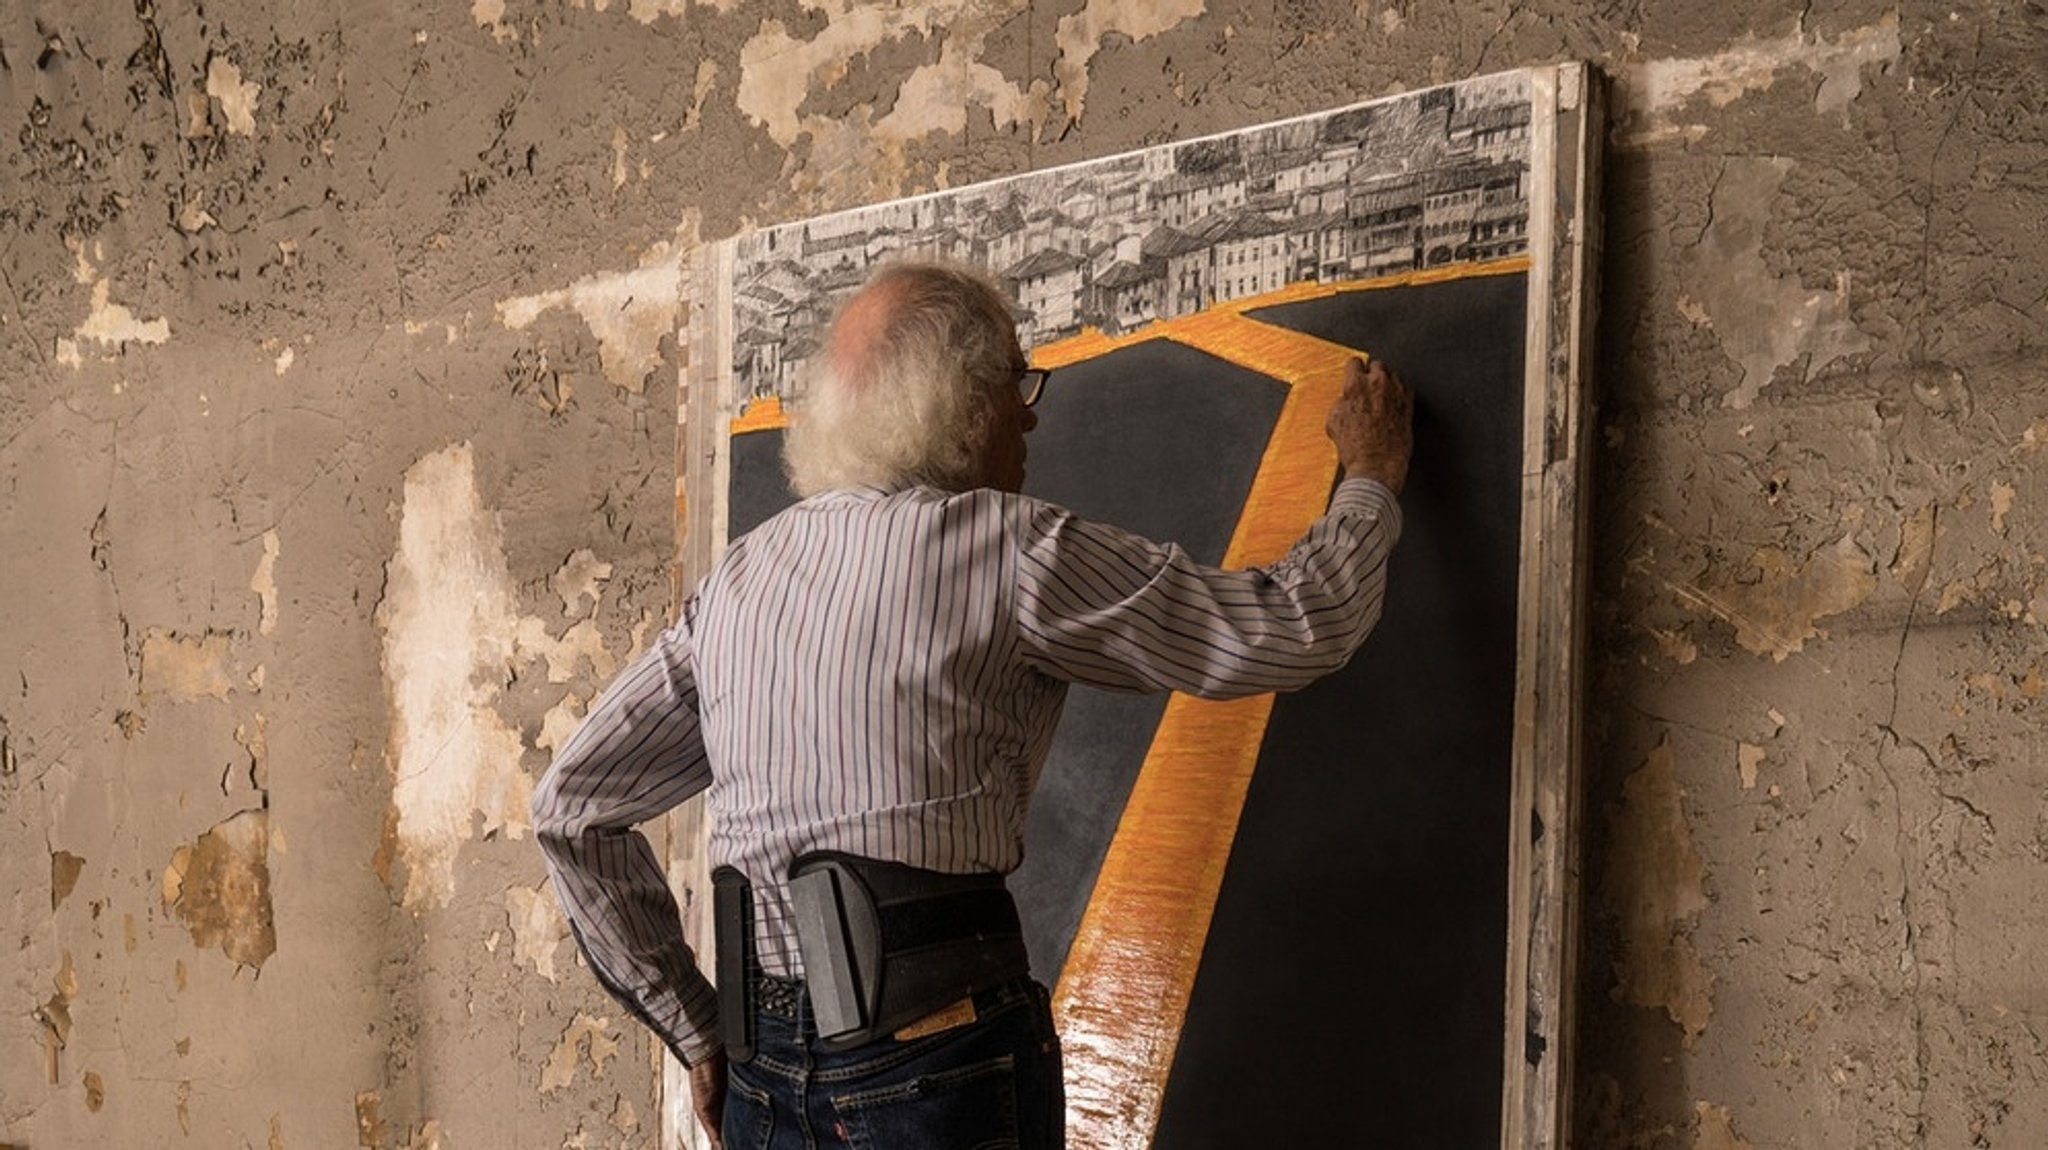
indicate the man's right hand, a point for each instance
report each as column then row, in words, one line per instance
column 1372, row 424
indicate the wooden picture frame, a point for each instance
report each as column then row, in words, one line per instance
column 1500, row 180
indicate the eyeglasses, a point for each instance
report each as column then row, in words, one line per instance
column 1031, row 383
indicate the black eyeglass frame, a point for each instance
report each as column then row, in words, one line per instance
column 1031, row 383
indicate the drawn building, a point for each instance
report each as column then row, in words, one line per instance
column 1049, row 285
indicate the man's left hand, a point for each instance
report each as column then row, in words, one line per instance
column 707, row 1097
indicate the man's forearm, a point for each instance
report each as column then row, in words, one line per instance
column 637, row 754
column 617, row 901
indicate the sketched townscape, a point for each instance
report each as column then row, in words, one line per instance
column 1418, row 181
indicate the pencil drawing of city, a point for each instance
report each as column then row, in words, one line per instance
column 1414, row 182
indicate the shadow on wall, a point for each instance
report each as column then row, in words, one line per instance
column 1629, row 1047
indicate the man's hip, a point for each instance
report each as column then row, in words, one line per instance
column 987, row 1076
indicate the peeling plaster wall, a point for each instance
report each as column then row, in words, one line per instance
column 338, row 471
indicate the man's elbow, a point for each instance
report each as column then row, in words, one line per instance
column 552, row 818
column 1332, row 651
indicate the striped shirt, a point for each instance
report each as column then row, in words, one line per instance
column 880, row 672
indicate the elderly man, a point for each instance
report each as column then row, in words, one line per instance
column 867, row 684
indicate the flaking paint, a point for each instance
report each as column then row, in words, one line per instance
column 1655, row 884
column 1659, row 95
column 1909, row 202
column 1765, row 320
column 449, row 623
column 219, row 887
column 629, row 312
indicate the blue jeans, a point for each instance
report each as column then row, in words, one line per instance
column 993, row 1084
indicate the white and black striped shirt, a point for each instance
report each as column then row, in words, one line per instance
column 880, row 672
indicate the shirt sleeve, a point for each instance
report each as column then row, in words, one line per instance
column 1099, row 605
column 639, row 752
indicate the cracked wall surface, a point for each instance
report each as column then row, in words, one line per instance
column 338, row 475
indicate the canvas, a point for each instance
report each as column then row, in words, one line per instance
column 1293, row 920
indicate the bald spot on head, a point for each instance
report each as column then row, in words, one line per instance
column 860, row 329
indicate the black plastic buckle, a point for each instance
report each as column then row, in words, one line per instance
column 732, row 921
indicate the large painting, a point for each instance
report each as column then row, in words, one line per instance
column 1281, row 921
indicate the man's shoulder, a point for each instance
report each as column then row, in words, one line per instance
column 853, row 508
column 921, row 496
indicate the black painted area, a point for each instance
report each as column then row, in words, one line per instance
column 1352, row 986
column 758, row 488
column 1162, row 440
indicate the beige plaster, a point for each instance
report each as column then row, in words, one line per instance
column 275, row 639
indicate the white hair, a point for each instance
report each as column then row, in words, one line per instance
column 905, row 399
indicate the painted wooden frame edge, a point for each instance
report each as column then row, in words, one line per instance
column 1543, row 857
column 705, row 347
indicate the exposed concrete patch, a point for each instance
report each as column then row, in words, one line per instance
column 559, row 723
column 2034, row 438
column 370, row 1126
column 369, row 1118
column 1957, row 592
column 490, row 16
column 1080, row 35
column 581, row 644
column 854, row 152
column 1909, row 566
column 1714, row 1131
column 648, row 11
column 2003, row 495
column 449, row 332
column 220, row 888
column 453, row 639
column 585, row 1035
column 1765, row 321
column 180, row 667
column 1748, row 757
column 264, row 582
column 582, row 576
column 112, row 326
column 621, row 144
column 1653, row 93
column 1656, row 888
column 1674, row 644
column 255, row 739
column 449, row 621
column 707, row 76
column 538, row 928
column 54, row 1016
column 386, row 854
column 237, row 97
column 629, row 313
column 648, row 621
column 65, row 868
column 1775, row 612
column 1390, row 18
column 624, row 1118
column 778, row 72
